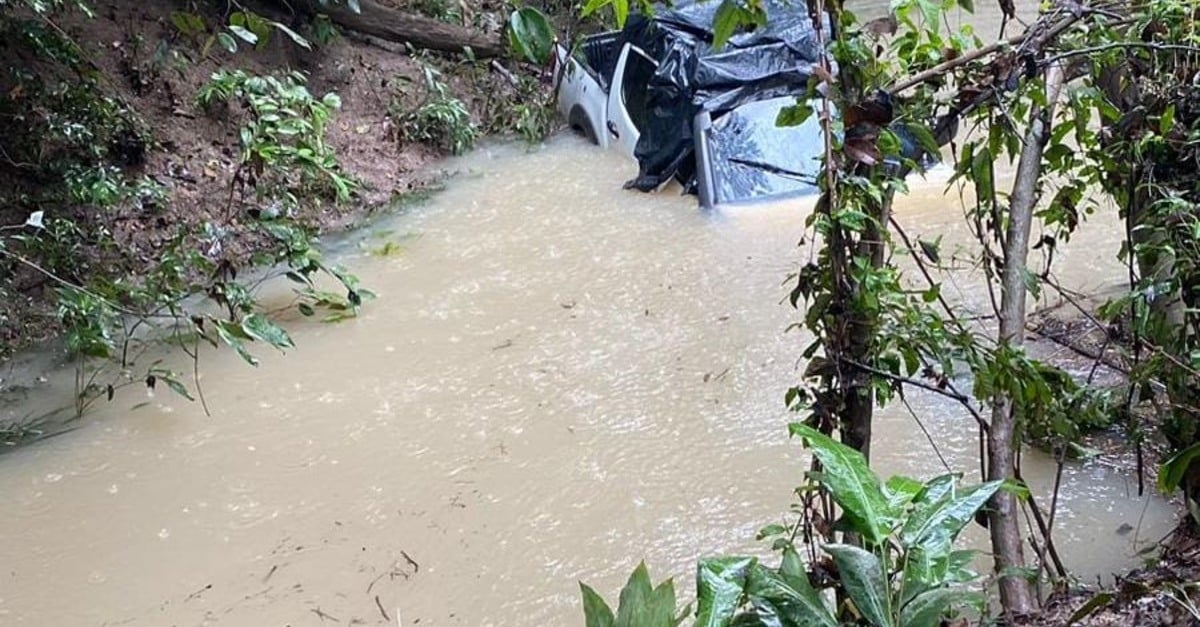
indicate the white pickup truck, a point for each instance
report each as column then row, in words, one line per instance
column 657, row 92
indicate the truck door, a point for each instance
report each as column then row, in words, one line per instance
column 627, row 103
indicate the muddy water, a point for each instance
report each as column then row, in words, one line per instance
column 559, row 379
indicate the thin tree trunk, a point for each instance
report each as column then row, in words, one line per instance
column 392, row 24
column 859, row 398
column 1016, row 594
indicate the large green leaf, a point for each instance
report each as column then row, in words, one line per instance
column 862, row 577
column 1170, row 474
column 901, row 491
column 732, row 16
column 938, row 488
column 719, row 585
column 596, row 612
column 851, row 483
column 644, row 606
column 927, row 609
column 923, row 571
column 790, row 599
column 261, row 328
column 934, row 526
column 530, row 35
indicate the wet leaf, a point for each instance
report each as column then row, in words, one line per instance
column 862, row 577
column 243, row 34
column 794, row 115
column 293, row 35
column 640, row 604
column 1170, row 475
column 851, row 483
column 928, row 608
column 261, row 328
column 788, row 594
column 934, row 526
column 1093, row 604
column 227, row 42
column 931, row 250
column 719, row 585
column 902, row 490
column 530, row 35
column 733, row 16
column 595, row 611
column 178, row 388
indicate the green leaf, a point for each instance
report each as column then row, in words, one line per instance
column 862, row 577
column 1167, row 121
column 188, row 24
column 1093, row 604
column 530, row 35
column 227, row 41
column 902, row 490
column 1171, row 473
column 296, row 38
column 730, row 17
column 178, row 388
column 233, row 335
column 719, row 585
column 790, row 597
column 934, row 526
column 592, row 6
column 596, row 612
column 643, row 606
column 243, row 34
column 771, row 530
column 794, row 115
column 260, row 328
column 925, row 138
column 851, row 483
column 981, row 174
column 928, row 608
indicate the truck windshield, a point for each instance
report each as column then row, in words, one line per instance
column 752, row 159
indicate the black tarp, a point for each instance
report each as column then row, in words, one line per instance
column 767, row 62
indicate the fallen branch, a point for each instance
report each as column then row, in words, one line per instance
column 391, row 24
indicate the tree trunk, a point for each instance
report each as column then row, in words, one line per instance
column 392, row 24
column 1016, row 595
column 859, row 398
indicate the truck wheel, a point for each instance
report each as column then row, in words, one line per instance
column 579, row 122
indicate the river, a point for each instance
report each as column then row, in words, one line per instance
column 559, row 379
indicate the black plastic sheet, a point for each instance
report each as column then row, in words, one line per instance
column 767, row 62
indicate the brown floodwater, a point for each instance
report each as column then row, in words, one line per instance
column 559, row 379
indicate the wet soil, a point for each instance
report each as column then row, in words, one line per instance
column 155, row 71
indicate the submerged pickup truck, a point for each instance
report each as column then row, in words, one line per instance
column 659, row 93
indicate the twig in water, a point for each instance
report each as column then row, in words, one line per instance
column 411, row 561
column 381, row 610
column 323, row 615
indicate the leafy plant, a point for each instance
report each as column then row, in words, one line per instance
column 439, row 119
column 284, row 132
column 640, row 604
column 907, row 572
